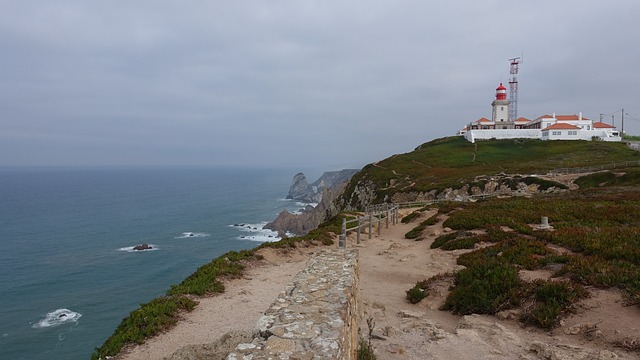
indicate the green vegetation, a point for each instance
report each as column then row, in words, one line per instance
column 409, row 218
column 151, row 318
column 418, row 292
column 599, row 225
column 454, row 162
column 609, row 178
column 552, row 300
column 484, row 288
column 631, row 137
column 417, row 231
column 162, row 313
column 365, row 350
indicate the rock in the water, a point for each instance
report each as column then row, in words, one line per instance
column 142, row 247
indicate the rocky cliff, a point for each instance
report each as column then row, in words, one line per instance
column 367, row 193
column 310, row 218
column 312, row 193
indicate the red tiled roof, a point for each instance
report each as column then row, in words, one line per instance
column 483, row 120
column 544, row 117
column 567, row 117
column 601, row 125
column 521, row 119
column 570, row 117
column 562, row 126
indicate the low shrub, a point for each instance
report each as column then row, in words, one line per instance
column 416, row 231
column 409, row 218
column 552, row 299
column 418, row 292
column 484, row 289
column 461, row 243
column 151, row 318
column 444, row 239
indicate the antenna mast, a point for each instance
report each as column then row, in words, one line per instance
column 513, row 88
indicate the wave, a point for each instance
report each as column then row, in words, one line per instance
column 130, row 248
column 190, row 234
column 56, row 318
column 255, row 232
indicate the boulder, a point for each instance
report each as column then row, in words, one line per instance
column 142, row 247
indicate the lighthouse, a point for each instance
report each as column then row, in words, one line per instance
column 500, row 109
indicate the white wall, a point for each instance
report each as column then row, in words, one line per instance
column 473, row 135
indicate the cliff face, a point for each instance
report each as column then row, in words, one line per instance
column 367, row 193
column 303, row 191
column 310, row 218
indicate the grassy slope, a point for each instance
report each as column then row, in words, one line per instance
column 453, row 161
column 599, row 223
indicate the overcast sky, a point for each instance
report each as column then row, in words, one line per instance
column 291, row 83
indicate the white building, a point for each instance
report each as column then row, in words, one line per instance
column 555, row 127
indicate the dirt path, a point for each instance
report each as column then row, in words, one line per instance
column 237, row 309
column 389, row 266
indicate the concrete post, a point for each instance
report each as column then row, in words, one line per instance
column 370, row 225
column 544, row 222
column 358, row 232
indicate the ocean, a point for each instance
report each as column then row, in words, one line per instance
column 68, row 271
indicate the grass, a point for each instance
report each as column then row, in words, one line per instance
column 600, row 225
column 629, row 177
column 149, row 319
column 417, row 231
column 365, row 349
column 453, row 162
column 484, row 288
column 160, row 314
column 552, row 299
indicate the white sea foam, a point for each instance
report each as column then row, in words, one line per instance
column 190, row 234
column 130, row 248
column 56, row 318
column 255, row 232
column 304, row 205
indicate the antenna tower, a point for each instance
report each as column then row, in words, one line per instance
column 513, row 88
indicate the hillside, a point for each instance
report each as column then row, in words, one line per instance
column 451, row 163
column 570, row 281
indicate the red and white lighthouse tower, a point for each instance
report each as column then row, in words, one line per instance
column 500, row 109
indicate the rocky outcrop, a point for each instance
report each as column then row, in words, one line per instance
column 312, row 193
column 142, row 247
column 365, row 193
column 476, row 336
column 217, row 350
column 310, row 217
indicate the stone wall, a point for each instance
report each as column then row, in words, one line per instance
column 316, row 317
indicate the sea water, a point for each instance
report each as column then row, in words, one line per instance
column 68, row 271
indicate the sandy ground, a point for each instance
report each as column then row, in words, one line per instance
column 237, row 309
column 389, row 266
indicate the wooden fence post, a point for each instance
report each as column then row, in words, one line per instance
column 370, row 225
column 342, row 240
column 386, row 218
